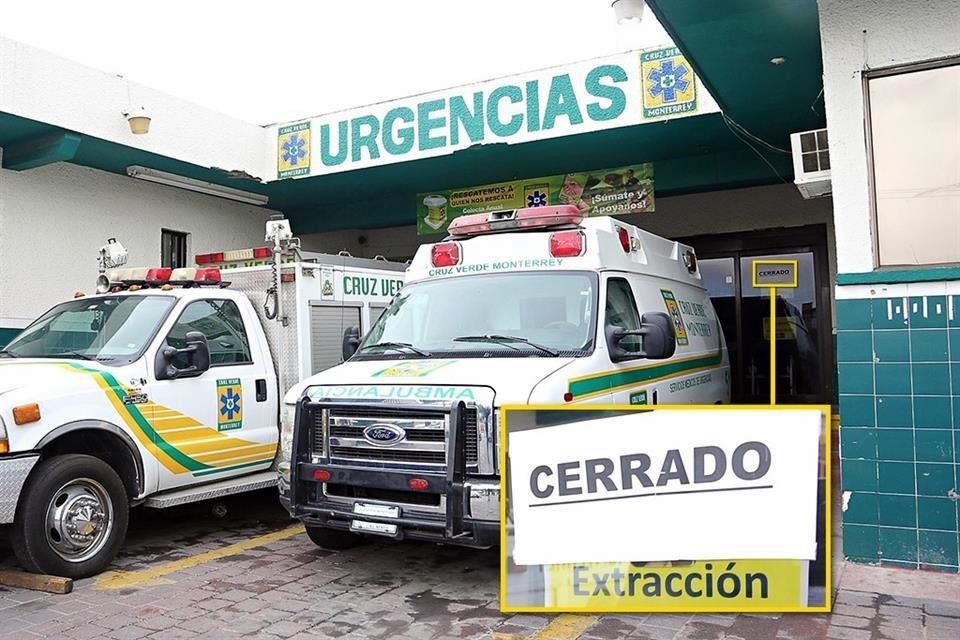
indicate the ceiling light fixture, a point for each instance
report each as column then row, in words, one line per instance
column 208, row 188
column 626, row 11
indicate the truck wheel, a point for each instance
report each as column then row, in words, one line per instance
column 71, row 518
column 333, row 539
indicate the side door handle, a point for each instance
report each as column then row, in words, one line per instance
column 261, row 390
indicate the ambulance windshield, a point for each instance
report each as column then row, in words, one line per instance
column 112, row 329
column 496, row 315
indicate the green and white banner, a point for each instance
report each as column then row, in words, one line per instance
column 622, row 90
column 604, row 192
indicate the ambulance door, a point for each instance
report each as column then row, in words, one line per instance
column 219, row 423
column 695, row 374
column 628, row 381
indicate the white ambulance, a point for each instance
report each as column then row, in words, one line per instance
column 533, row 306
column 164, row 388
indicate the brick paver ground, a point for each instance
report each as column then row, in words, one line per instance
column 289, row 588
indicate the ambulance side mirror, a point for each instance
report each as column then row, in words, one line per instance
column 351, row 340
column 196, row 355
column 658, row 341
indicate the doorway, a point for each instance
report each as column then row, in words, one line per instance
column 802, row 327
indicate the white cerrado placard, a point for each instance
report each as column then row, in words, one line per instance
column 667, row 485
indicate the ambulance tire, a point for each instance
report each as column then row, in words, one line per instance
column 57, row 498
column 333, row 539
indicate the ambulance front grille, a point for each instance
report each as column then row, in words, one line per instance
column 423, row 446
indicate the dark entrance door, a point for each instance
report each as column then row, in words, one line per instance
column 802, row 328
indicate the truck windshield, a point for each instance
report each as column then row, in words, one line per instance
column 496, row 315
column 114, row 329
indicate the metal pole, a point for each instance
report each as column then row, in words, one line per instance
column 773, row 345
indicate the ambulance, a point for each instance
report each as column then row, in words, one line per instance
column 531, row 306
column 164, row 388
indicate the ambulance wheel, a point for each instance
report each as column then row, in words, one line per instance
column 333, row 539
column 71, row 518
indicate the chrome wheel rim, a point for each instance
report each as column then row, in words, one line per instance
column 79, row 520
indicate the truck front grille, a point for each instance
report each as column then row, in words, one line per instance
column 423, row 447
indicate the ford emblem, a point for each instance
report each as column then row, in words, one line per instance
column 384, row 435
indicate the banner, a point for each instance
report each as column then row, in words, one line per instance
column 622, row 90
column 654, row 483
column 604, row 192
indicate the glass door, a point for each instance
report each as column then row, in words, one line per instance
column 796, row 331
column 802, row 328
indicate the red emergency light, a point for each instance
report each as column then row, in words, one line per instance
column 209, row 258
column 418, row 484
column 445, row 254
column 624, row 236
column 158, row 275
column 198, row 276
column 257, row 253
column 528, row 218
column 566, row 244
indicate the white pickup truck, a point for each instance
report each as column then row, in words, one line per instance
column 164, row 389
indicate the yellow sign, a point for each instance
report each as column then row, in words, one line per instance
column 785, row 329
column 679, row 329
column 718, row 585
column 748, row 586
column 230, row 404
column 669, row 86
column 775, row 274
column 293, row 150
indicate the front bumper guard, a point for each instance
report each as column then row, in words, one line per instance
column 451, row 525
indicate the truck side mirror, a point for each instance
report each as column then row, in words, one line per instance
column 351, row 340
column 196, row 355
column 656, row 332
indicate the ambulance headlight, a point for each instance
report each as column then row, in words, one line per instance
column 4, row 443
column 496, row 439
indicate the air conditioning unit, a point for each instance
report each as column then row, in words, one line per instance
column 811, row 163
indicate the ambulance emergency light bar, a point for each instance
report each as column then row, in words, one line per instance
column 528, row 218
column 257, row 253
column 135, row 278
column 199, row 186
column 569, row 243
column 563, row 244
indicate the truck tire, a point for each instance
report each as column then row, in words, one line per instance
column 71, row 518
column 333, row 539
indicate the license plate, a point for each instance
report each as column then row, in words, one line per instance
column 374, row 527
column 376, row 510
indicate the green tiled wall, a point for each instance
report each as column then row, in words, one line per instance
column 899, row 383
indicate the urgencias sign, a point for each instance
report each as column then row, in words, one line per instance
column 605, row 93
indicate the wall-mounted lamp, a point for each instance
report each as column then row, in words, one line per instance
column 139, row 122
column 627, row 11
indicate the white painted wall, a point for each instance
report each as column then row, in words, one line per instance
column 717, row 212
column 44, row 87
column 859, row 35
column 54, row 219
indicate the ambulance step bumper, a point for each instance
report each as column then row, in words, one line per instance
column 231, row 486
